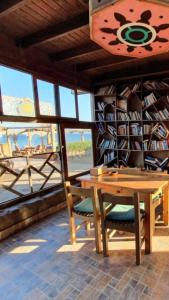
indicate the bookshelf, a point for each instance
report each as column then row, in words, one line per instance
column 132, row 124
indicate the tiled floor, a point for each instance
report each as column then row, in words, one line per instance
column 39, row 264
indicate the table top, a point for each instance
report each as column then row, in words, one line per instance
column 141, row 183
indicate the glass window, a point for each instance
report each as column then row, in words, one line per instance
column 79, row 150
column 67, row 102
column 17, row 93
column 31, row 150
column 85, row 106
column 46, row 98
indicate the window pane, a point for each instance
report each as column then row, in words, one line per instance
column 85, row 106
column 67, row 102
column 17, row 93
column 79, row 150
column 29, row 147
column 46, row 98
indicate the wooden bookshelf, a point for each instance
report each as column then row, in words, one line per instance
column 132, row 124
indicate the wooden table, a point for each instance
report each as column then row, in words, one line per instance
column 147, row 185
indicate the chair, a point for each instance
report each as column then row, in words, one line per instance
column 87, row 210
column 124, row 215
column 158, row 197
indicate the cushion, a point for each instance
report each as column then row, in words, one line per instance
column 123, row 213
column 85, row 206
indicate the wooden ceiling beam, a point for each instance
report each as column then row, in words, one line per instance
column 74, row 52
column 84, row 2
column 54, row 31
column 101, row 63
column 8, row 6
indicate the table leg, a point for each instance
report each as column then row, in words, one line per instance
column 166, row 205
column 149, row 223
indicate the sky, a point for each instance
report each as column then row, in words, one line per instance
column 18, row 84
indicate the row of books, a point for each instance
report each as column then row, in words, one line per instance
column 122, row 116
column 100, row 117
column 154, row 85
column 131, row 116
column 100, row 127
column 110, row 117
column 109, row 157
column 156, row 162
column 159, row 115
column 133, row 129
column 123, row 144
column 108, row 144
column 111, row 130
column 135, row 115
column 160, row 131
column 149, row 99
column 155, row 145
column 106, row 90
column 126, row 92
column 101, row 105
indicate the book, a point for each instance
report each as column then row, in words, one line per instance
column 149, row 99
column 122, row 129
column 122, row 116
column 136, row 129
column 135, row 115
column 126, row 92
column 122, row 104
column 111, row 130
column 106, row 90
column 160, row 131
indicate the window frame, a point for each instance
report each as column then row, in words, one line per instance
column 61, row 122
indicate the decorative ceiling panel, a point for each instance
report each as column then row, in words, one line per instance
column 131, row 27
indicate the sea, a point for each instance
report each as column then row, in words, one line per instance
column 22, row 140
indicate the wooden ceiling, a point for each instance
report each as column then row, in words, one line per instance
column 58, row 31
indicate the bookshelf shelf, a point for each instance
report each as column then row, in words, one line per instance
column 130, row 105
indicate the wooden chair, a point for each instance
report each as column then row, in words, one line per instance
column 87, row 210
column 124, row 215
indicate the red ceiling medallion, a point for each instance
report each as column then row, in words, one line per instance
column 136, row 28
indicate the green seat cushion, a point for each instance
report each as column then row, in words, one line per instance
column 85, row 206
column 123, row 213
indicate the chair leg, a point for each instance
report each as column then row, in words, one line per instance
column 98, row 237
column 88, row 227
column 105, row 242
column 138, row 247
column 72, row 230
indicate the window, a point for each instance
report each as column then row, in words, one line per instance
column 29, row 149
column 17, row 93
column 46, row 96
column 79, row 150
column 85, row 106
column 67, row 102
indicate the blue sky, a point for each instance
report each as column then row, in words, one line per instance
column 18, row 84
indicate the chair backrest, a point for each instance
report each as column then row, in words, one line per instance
column 117, row 199
column 72, row 191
